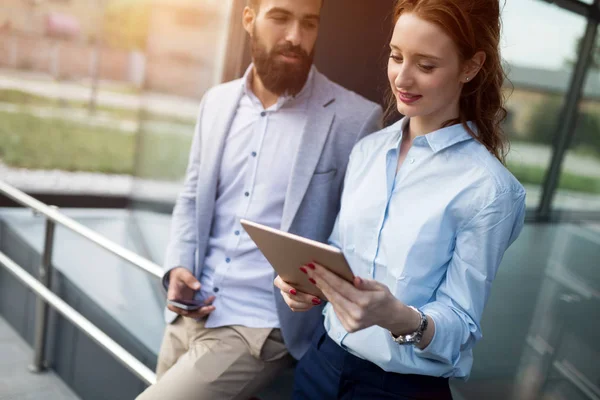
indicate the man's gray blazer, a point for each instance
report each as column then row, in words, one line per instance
column 337, row 119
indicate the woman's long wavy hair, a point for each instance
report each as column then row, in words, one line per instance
column 473, row 25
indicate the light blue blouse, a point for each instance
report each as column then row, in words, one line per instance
column 434, row 233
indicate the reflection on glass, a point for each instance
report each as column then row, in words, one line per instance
column 538, row 44
column 70, row 75
column 185, row 54
column 74, row 76
column 579, row 185
column 541, row 323
column 560, row 357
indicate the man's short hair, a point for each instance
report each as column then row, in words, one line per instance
column 254, row 4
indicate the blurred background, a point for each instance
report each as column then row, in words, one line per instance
column 98, row 100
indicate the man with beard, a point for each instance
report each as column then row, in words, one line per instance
column 271, row 147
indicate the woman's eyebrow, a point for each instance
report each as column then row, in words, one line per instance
column 422, row 55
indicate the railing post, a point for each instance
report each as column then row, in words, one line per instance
column 41, row 309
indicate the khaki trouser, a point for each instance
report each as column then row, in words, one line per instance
column 230, row 362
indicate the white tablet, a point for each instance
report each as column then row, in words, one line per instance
column 288, row 252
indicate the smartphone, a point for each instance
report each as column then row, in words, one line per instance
column 188, row 305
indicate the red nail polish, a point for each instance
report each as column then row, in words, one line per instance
column 311, row 266
column 293, row 291
column 303, row 270
column 312, row 281
column 316, row 301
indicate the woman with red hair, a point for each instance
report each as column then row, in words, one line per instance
column 427, row 212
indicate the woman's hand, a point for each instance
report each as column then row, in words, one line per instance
column 296, row 300
column 360, row 304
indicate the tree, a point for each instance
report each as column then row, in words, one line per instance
column 544, row 122
column 595, row 62
column 544, row 119
column 587, row 131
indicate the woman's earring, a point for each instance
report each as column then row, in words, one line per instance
column 468, row 79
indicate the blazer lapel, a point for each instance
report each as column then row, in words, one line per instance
column 319, row 121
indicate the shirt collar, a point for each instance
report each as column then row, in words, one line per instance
column 399, row 128
column 285, row 97
column 437, row 140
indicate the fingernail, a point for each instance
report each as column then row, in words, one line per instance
column 312, row 281
column 316, row 301
column 303, row 270
column 311, row 266
column 293, row 291
column 197, row 285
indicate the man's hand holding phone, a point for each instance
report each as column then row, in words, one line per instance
column 182, row 287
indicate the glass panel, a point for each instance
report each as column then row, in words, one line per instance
column 540, row 326
column 97, row 91
column 579, row 185
column 70, row 81
column 185, row 56
column 538, row 44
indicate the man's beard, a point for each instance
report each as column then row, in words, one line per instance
column 278, row 76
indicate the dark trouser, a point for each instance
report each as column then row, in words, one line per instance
column 327, row 371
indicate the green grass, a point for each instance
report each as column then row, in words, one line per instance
column 25, row 99
column 27, row 141
column 17, row 96
column 533, row 175
column 162, row 157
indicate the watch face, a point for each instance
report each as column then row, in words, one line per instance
column 407, row 339
column 404, row 339
column 414, row 337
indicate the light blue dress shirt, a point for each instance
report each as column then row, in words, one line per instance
column 434, row 233
column 255, row 171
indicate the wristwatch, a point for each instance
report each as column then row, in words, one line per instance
column 415, row 337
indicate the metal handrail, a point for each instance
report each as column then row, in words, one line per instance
column 46, row 298
column 129, row 361
column 61, row 219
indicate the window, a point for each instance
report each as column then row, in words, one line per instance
column 539, row 42
column 579, row 184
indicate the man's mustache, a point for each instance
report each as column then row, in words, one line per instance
column 290, row 50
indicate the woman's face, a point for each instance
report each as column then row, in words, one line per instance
column 424, row 70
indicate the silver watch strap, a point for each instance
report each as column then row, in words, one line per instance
column 416, row 336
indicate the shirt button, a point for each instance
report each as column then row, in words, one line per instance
column 412, row 160
column 237, row 233
column 253, row 154
column 216, row 290
column 262, row 114
column 228, row 260
column 247, row 194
